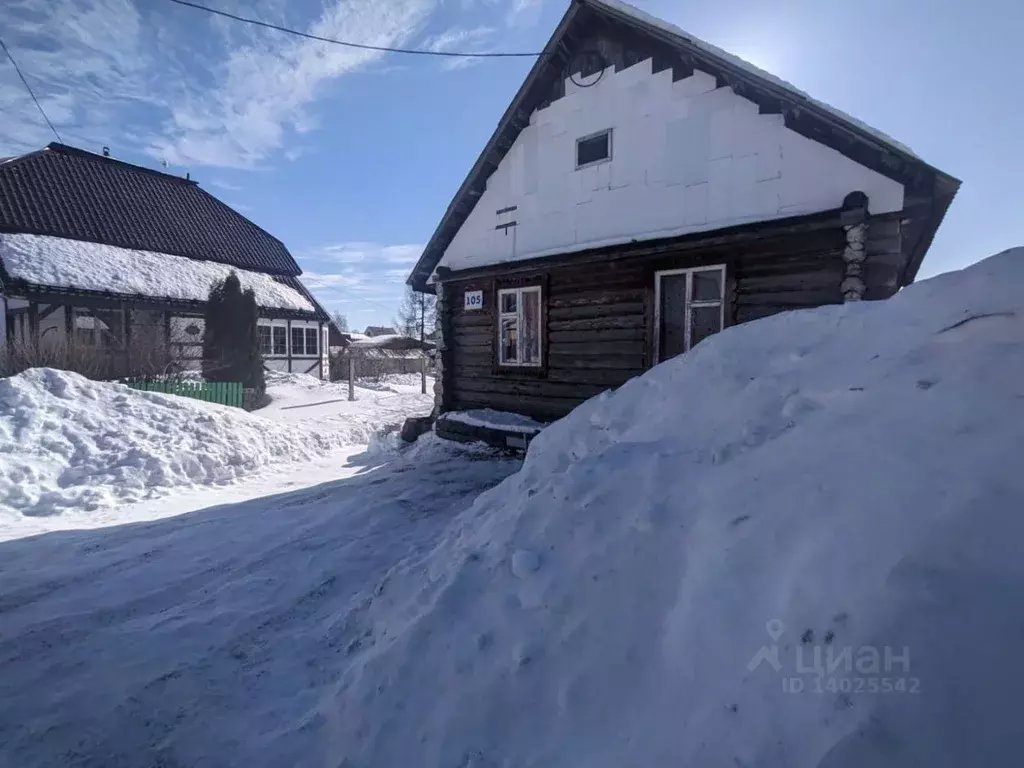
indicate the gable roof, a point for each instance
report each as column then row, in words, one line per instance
column 929, row 191
column 70, row 193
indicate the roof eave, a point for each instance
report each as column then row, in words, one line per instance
column 419, row 275
column 945, row 189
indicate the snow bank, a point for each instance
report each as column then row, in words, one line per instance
column 62, row 263
column 380, row 406
column 798, row 545
column 68, row 444
column 486, row 417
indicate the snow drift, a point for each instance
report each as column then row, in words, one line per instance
column 71, row 444
column 797, row 545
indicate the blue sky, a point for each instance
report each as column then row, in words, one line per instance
column 351, row 157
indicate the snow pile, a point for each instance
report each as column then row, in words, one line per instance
column 68, row 444
column 62, row 263
column 798, row 545
column 298, row 398
column 487, row 417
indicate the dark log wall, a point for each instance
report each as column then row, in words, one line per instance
column 600, row 313
column 783, row 273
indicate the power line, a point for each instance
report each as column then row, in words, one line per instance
column 30, row 92
column 384, row 48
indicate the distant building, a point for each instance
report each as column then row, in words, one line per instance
column 102, row 257
column 380, row 330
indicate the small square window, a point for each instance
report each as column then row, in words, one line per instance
column 594, row 149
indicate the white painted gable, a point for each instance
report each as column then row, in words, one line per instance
column 686, row 157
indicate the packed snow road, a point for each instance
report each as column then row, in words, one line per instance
column 212, row 638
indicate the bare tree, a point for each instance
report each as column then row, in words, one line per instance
column 340, row 321
column 417, row 314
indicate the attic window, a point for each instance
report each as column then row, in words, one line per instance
column 593, row 149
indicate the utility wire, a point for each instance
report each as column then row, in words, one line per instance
column 30, row 92
column 386, row 49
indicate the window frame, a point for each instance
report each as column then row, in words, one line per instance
column 260, row 327
column 519, row 290
column 594, row 135
column 315, row 331
column 690, row 304
column 284, row 332
column 297, row 350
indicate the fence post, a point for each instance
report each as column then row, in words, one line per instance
column 423, row 374
column 351, row 377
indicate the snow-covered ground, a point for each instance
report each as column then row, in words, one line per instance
column 76, row 453
column 796, row 546
column 300, row 399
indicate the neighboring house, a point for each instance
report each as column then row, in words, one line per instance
column 380, row 330
column 643, row 190
column 380, row 355
column 104, row 256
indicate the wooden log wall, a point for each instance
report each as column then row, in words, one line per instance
column 600, row 313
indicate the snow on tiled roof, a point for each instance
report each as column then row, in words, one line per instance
column 75, row 264
column 67, row 192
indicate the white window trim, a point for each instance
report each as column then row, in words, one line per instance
column 287, row 338
column 690, row 304
column 593, row 135
column 518, row 314
column 305, row 341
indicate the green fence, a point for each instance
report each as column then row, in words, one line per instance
column 223, row 392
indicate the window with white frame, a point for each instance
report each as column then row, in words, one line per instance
column 273, row 336
column 519, row 326
column 689, row 307
column 266, row 343
column 298, row 341
column 312, row 341
column 280, row 340
column 593, row 149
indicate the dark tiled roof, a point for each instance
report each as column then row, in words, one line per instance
column 67, row 192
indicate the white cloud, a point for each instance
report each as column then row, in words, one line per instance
column 373, row 254
column 360, row 279
column 523, row 12
column 463, row 40
column 263, row 90
column 314, row 280
column 193, row 89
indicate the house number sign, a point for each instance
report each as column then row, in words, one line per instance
column 474, row 300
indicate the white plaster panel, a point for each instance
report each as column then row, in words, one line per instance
column 686, row 157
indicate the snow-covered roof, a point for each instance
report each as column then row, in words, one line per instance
column 75, row 264
column 67, row 192
column 375, row 341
